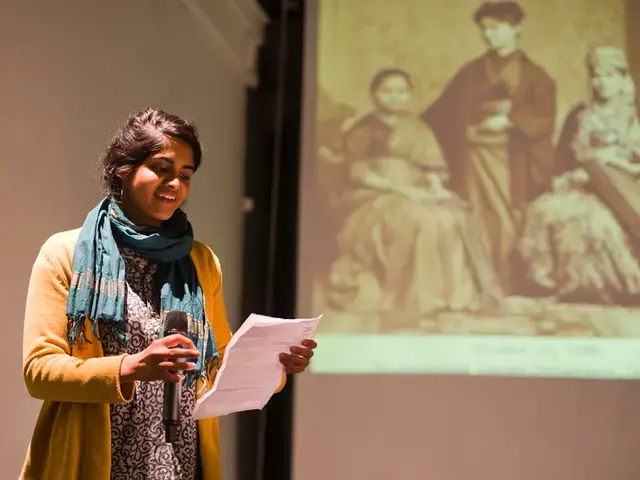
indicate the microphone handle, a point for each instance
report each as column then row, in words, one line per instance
column 171, row 408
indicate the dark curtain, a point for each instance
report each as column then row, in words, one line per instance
column 270, row 247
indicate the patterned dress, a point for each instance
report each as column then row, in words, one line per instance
column 138, row 447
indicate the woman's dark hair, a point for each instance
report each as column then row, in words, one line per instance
column 382, row 75
column 144, row 135
column 510, row 12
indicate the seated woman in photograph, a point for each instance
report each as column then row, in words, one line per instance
column 94, row 349
column 402, row 226
column 582, row 240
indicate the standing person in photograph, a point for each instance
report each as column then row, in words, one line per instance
column 494, row 121
column 95, row 311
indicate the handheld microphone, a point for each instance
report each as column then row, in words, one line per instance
column 174, row 322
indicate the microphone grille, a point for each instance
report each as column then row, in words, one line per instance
column 176, row 321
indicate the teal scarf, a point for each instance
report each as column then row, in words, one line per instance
column 98, row 287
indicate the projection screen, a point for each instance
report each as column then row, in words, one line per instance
column 470, row 208
column 447, row 240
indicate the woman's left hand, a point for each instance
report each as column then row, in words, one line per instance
column 298, row 359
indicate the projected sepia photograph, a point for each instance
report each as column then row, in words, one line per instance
column 476, row 170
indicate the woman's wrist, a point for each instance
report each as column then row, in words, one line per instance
column 128, row 368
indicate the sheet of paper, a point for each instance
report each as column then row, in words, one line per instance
column 251, row 370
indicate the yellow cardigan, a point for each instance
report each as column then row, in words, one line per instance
column 72, row 437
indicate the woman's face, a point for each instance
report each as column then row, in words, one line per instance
column 606, row 83
column 154, row 191
column 393, row 94
column 499, row 34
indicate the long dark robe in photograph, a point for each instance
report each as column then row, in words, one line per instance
column 500, row 173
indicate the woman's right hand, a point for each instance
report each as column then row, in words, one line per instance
column 496, row 123
column 428, row 193
column 159, row 360
column 415, row 193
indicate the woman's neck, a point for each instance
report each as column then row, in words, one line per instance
column 506, row 50
column 390, row 118
column 137, row 216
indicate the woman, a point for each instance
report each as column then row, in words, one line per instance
column 95, row 308
column 582, row 240
column 403, row 226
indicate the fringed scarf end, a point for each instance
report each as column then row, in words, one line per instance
column 76, row 334
column 203, row 375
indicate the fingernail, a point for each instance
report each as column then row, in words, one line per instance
column 282, row 355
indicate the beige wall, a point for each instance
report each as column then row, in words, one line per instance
column 72, row 70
